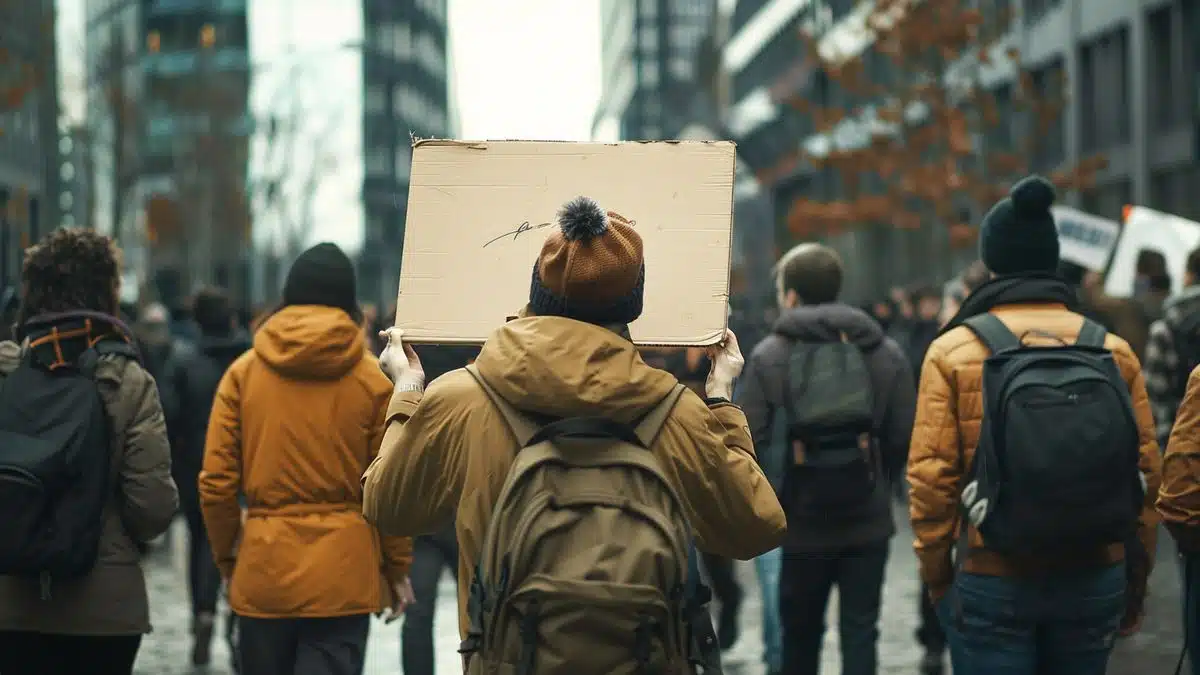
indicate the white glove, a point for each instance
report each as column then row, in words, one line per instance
column 399, row 362
column 727, row 362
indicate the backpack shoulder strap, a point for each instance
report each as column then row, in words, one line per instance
column 1091, row 334
column 647, row 430
column 992, row 332
column 522, row 428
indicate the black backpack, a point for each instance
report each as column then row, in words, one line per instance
column 56, row 466
column 1056, row 469
column 831, row 428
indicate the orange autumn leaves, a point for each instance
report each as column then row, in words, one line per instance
column 918, row 126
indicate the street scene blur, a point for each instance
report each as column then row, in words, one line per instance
column 951, row 424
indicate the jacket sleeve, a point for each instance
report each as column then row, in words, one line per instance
column 149, row 496
column 900, row 404
column 709, row 455
column 1150, row 463
column 397, row 551
column 934, row 472
column 221, row 477
column 414, row 484
column 751, row 396
column 1179, row 496
column 1159, row 371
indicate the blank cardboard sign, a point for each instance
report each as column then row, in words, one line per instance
column 478, row 213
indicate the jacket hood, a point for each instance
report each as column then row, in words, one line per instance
column 310, row 342
column 826, row 323
column 563, row 368
column 1182, row 304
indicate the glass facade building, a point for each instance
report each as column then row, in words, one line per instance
column 405, row 95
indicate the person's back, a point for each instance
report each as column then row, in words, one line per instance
column 189, row 385
column 844, row 391
column 91, row 623
column 1092, row 589
column 449, row 449
column 295, row 422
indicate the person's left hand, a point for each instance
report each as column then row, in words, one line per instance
column 399, row 361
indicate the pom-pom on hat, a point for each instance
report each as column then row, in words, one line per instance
column 590, row 268
column 1018, row 235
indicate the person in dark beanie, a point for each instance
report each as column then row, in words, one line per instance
column 295, row 422
column 448, row 450
column 1088, row 592
column 189, row 386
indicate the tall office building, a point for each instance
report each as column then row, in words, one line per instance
column 29, row 183
column 405, row 94
column 648, row 47
column 168, row 84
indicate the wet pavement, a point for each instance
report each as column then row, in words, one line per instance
column 1155, row 650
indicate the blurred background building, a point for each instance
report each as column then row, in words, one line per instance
column 168, row 86
column 1133, row 71
column 405, row 94
column 29, row 182
column 77, row 177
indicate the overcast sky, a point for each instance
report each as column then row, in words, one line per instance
column 522, row 69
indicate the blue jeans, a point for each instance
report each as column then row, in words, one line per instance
column 768, row 567
column 1059, row 625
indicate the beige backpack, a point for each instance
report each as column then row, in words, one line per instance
column 584, row 563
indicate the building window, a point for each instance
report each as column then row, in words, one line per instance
column 1048, row 84
column 1175, row 192
column 650, row 75
column 1036, row 9
column 378, row 162
column 1167, row 99
column 375, row 101
column 649, row 39
column 1000, row 134
column 1108, row 201
column 1104, row 90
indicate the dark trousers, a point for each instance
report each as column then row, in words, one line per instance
column 28, row 653
column 805, row 585
column 204, row 579
column 929, row 633
column 333, row 646
column 721, row 576
column 431, row 554
column 1189, row 567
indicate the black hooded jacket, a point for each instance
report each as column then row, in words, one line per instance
column 762, row 395
column 190, row 383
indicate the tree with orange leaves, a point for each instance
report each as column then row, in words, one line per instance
column 908, row 139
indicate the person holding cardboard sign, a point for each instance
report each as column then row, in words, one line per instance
column 564, row 386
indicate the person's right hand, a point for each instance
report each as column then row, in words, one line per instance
column 727, row 362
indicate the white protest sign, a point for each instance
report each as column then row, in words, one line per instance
column 1147, row 229
column 1085, row 239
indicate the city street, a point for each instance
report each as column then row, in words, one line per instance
column 1155, row 649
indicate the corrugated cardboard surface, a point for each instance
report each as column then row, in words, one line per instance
column 466, row 269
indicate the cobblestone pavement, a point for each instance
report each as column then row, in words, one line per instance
column 1154, row 650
